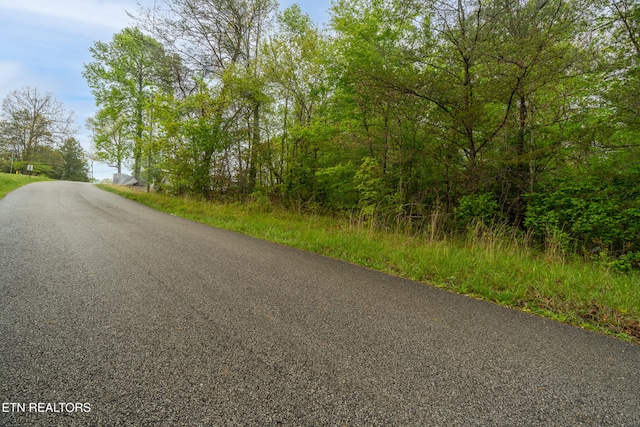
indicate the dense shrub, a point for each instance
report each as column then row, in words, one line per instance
column 598, row 222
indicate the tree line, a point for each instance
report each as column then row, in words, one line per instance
column 523, row 113
column 37, row 130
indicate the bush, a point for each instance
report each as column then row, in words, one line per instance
column 336, row 187
column 597, row 223
column 480, row 207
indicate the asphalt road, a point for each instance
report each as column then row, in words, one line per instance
column 114, row 314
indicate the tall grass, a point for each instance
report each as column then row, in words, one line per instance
column 487, row 262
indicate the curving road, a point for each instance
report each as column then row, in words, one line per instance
column 112, row 313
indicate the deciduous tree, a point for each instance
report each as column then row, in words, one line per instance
column 30, row 119
column 124, row 76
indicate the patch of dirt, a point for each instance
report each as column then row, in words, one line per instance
column 593, row 313
column 612, row 319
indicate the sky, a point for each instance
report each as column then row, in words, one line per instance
column 45, row 43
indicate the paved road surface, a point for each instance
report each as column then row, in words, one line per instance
column 148, row 319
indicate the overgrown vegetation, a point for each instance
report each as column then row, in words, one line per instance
column 491, row 263
column 518, row 113
column 9, row 182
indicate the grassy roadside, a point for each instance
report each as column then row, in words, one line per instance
column 576, row 293
column 9, row 182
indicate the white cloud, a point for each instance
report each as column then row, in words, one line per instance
column 110, row 14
